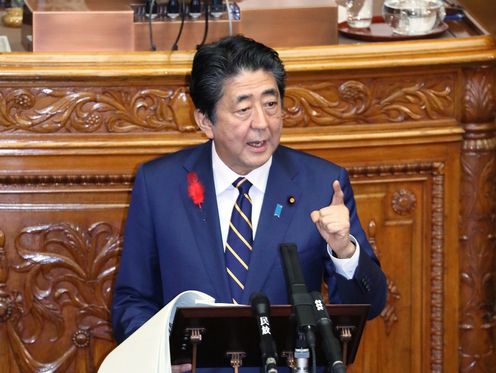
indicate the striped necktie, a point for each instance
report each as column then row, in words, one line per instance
column 239, row 240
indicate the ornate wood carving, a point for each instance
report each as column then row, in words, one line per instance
column 369, row 101
column 72, row 259
column 115, row 110
column 478, row 100
column 9, row 303
column 388, row 314
column 437, row 268
column 436, row 170
column 478, row 224
column 66, row 180
column 10, row 308
column 403, row 202
column 125, row 110
column 68, row 273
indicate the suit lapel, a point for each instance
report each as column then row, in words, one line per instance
column 205, row 222
column 271, row 229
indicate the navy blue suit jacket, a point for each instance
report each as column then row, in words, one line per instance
column 171, row 245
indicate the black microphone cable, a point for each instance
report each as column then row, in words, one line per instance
column 151, row 5
column 205, row 32
column 182, row 9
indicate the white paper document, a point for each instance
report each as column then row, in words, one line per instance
column 147, row 349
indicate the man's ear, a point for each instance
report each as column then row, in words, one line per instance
column 204, row 123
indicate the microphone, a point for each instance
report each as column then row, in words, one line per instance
column 151, row 8
column 330, row 344
column 260, row 307
column 298, row 292
column 217, row 8
column 195, row 9
column 173, row 9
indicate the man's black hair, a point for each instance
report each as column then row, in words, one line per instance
column 214, row 63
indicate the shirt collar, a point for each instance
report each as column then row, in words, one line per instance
column 224, row 176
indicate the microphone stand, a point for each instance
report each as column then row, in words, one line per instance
column 302, row 353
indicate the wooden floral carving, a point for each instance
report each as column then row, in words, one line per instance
column 388, row 314
column 10, row 303
column 116, row 110
column 69, row 272
column 403, row 202
column 478, row 223
column 479, row 103
column 371, row 101
column 124, row 110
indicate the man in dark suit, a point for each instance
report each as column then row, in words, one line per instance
column 176, row 242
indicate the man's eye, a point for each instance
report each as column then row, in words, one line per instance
column 243, row 110
column 272, row 106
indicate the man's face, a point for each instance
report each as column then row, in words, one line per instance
column 248, row 121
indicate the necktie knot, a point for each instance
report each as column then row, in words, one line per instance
column 242, row 184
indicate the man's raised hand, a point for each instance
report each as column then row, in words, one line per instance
column 333, row 224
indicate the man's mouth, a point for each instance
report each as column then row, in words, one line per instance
column 256, row 144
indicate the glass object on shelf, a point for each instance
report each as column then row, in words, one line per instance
column 413, row 17
column 358, row 12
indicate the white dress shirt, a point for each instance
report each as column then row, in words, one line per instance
column 227, row 194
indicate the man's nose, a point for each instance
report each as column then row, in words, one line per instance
column 260, row 119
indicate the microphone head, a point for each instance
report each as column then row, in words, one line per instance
column 260, row 304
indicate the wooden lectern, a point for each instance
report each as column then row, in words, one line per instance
column 212, row 336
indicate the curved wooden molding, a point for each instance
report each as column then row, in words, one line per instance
column 177, row 64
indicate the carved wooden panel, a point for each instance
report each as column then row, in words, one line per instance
column 59, row 258
column 370, row 100
column 55, row 109
column 403, row 217
column 60, row 240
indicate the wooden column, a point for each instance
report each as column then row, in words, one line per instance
column 478, row 223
